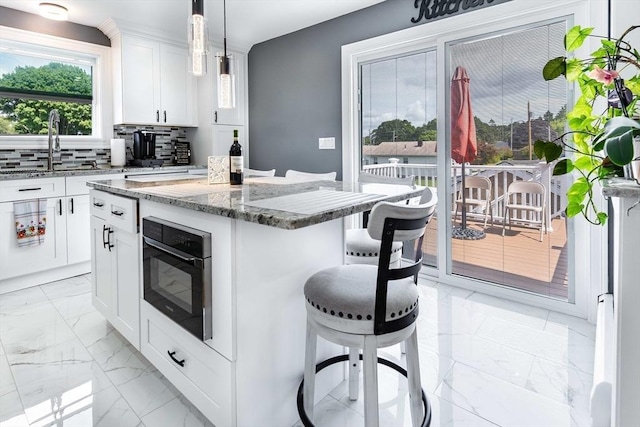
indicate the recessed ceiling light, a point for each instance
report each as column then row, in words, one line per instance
column 54, row 11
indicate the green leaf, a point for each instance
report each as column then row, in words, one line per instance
column 574, row 209
column 578, row 189
column 564, row 166
column 602, row 218
column 619, row 125
column 575, row 37
column 538, row 148
column 572, row 69
column 633, row 84
column 552, row 152
column 620, row 148
column 584, row 163
column 555, row 68
column 609, row 46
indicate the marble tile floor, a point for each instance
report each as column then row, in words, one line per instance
column 484, row 362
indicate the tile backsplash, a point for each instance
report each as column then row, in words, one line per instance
column 37, row 158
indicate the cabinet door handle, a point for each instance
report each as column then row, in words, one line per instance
column 215, row 117
column 30, row 189
column 98, row 204
column 59, row 207
column 71, row 203
column 106, row 241
column 117, row 213
column 165, row 116
column 158, row 116
column 172, row 356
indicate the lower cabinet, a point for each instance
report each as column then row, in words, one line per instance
column 78, row 222
column 22, row 260
column 115, row 265
column 200, row 373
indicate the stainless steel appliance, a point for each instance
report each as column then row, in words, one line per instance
column 144, row 149
column 177, row 273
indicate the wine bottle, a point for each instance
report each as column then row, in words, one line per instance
column 235, row 161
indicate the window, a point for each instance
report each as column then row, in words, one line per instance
column 33, row 81
column 39, row 73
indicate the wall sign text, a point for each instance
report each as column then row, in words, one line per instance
column 434, row 9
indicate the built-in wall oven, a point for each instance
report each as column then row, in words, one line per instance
column 177, row 273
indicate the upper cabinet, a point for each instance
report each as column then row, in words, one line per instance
column 151, row 81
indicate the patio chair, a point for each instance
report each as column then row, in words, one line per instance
column 525, row 196
column 478, row 196
column 255, row 172
column 329, row 176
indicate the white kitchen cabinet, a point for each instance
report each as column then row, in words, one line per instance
column 151, row 80
column 115, row 266
column 66, row 249
column 17, row 260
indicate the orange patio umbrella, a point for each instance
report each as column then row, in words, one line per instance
column 464, row 146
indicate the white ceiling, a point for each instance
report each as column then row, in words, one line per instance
column 248, row 21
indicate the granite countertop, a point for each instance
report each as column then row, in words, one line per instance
column 9, row 174
column 618, row 187
column 293, row 204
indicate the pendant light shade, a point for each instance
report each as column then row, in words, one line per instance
column 198, row 39
column 226, row 78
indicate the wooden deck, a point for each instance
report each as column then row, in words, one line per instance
column 518, row 260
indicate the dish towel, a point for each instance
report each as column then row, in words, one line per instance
column 31, row 221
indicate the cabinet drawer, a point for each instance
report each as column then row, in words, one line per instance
column 77, row 185
column 203, row 375
column 36, row 188
column 119, row 211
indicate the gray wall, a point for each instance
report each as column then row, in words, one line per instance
column 37, row 24
column 295, row 88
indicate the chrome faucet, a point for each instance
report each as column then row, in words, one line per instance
column 54, row 120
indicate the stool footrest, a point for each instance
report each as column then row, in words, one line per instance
column 426, row 420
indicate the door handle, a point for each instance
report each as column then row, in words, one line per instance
column 59, row 207
column 172, row 356
column 71, row 205
column 215, row 117
column 158, row 116
column 117, row 213
column 106, row 242
column 165, row 116
column 98, row 204
column 30, row 189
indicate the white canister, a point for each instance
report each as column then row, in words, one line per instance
column 118, row 156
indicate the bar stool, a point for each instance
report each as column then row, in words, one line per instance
column 361, row 248
column 367, row 307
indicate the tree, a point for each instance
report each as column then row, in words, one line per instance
column 31, row 116
column 488, row 154
column 393, row 130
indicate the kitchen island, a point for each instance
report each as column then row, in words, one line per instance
column 267, row 237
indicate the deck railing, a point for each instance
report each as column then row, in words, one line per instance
column 499, row 175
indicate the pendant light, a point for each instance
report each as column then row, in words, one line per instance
column 198, row 39
column 226, row 79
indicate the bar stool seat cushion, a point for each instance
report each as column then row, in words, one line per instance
column 361, row 248
column 344, row 298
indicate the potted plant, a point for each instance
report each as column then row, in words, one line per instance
column 603, row 143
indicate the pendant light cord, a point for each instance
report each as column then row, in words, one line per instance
column 224, row 25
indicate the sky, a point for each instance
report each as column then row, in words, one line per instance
column 505, row 73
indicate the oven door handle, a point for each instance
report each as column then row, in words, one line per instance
column 168, row 249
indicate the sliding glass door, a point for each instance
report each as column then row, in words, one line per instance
column 398, row 123
column 509, row 106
